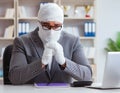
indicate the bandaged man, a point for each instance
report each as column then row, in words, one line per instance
column 47, row 54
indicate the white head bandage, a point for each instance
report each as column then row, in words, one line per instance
column 50, row 12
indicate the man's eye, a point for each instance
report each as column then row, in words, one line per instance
column 46, row 25
column 57, row 25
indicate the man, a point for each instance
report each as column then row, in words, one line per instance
column 48, row 55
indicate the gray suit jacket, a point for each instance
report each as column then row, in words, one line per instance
column 25, row 64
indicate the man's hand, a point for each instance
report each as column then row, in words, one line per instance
column 47, row 56
column 58, row 51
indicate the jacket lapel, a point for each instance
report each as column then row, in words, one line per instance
column 37, row 43
column 55, row 65
column 39, row 47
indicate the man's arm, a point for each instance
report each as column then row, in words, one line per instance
column 20, row 71
column 79, row 67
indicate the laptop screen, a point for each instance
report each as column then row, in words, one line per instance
column 111, row 75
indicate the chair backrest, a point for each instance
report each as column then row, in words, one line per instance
column 6, row 62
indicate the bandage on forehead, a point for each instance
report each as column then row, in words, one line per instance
column 50, row 12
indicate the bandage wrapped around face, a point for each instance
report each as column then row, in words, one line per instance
column 50, row 12
column 49, row 35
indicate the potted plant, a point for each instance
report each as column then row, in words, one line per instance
column 113, row 46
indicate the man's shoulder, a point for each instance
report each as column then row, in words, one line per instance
column 68, row 36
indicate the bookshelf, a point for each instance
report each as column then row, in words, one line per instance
column 75, row 21
column 30, row 11
column 7, row 19
column 25, row 12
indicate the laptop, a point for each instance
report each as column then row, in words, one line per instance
column 111, row 76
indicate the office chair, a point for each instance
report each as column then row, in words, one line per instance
column 6, row 63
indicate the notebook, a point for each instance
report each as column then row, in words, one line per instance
column 51, row 85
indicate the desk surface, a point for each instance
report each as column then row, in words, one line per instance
column 33, row 89
column 50, row 89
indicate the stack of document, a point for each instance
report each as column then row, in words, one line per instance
column 10, row 13
column 9, row 31
column 89, row 52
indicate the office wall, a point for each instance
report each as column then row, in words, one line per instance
column 108, row 23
